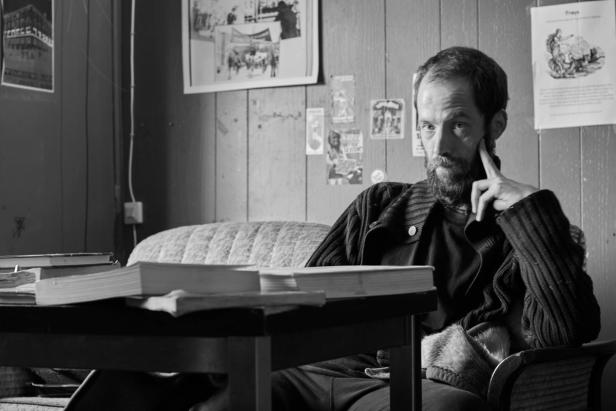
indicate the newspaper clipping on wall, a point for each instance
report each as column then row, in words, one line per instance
column 28, row 44
column 240, row 44
column 574, row 66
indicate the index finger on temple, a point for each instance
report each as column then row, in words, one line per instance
column 486, row 160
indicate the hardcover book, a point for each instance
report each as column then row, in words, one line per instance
column 49, row 260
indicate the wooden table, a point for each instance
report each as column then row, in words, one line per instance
column 247, row 344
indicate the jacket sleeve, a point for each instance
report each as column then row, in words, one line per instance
column 342, row 244
column 559, row 305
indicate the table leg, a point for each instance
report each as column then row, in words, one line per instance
column 249, row 369
column 405, row 369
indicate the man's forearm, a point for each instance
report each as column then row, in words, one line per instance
column 560, row 307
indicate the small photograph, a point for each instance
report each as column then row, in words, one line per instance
column 387, row 119
column 343, row 98
column 571, row 56
column 315, row 123
column 247, row 52
column 344, row 157
column 28, row 44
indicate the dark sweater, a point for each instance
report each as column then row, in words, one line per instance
column 541, row 273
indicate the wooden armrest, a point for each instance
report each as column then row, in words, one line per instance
column 558, row 377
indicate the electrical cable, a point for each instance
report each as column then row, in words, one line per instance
column 132, row 112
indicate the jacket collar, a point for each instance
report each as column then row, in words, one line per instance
column 409, row 209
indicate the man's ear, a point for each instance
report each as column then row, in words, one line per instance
column 498, row 124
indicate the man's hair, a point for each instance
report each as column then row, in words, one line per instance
column 487, row 79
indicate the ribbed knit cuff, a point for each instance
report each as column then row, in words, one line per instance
column 535, row 225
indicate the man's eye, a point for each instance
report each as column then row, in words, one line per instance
column 460, row 129
column 426, row 127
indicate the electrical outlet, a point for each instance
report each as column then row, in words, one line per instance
column 133, row 212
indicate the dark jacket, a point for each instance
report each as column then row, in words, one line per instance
column 541, row 269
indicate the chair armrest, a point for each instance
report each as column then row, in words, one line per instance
column 558, row 377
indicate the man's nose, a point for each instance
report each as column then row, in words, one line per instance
column 441, row 142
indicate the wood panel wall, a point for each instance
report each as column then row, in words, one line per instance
column 57, row 162
column 255, row 139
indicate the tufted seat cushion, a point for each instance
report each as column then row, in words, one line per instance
column 265, row 244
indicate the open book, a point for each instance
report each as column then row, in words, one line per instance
column 349, row 280
column 147, row 278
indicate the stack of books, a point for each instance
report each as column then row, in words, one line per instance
column 20, row 273
column 181, row 288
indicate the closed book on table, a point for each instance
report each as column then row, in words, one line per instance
column 350, row 280
column 48, row 260
column 179, row 302
column 18, row 287
column 147, row 278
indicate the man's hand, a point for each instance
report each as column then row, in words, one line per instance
column 496, row 188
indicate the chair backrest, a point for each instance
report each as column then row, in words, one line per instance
column 264, row 243
column 559, row 378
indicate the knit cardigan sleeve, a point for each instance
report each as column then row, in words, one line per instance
column 342, row 245
column 559, row 305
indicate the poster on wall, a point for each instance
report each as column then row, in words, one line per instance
column 574, row 64
column 344, row 157
column 418, row 149
column 342, row 92
column 241, row 44
column 28, row 46
column 315, row 126
column 387, row 119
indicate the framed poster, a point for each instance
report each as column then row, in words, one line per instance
column 241, row 44
column 28, row 44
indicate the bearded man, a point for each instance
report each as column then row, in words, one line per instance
column 509, row 268
column 508, row 265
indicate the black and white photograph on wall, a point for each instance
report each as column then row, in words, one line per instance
column 387, row 119
column 344, row 157
column 28, row 46
column 241, row 44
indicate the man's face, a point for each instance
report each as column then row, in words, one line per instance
column 451, row 127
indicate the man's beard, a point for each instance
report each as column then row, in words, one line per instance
column 454, row 186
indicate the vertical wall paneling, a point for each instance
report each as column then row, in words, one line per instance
column 458, row 23
column 599, row 215
column 101, row 143
column 352, row 42
column 57, row 165
column 599, row 224
column 75, row 130
column 504, row 34
column 559, row 151
column 412, row 34
column 277, row 158
column 232, row 156
column 174, row 170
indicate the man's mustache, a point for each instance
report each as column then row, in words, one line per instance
column 447, row 162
